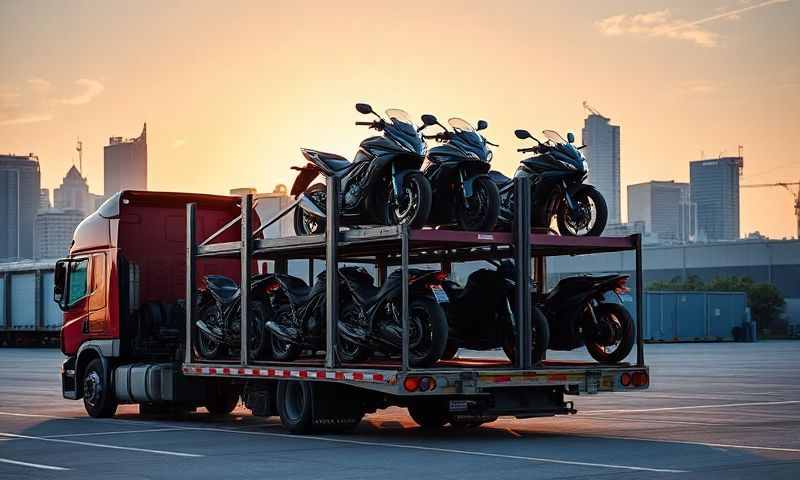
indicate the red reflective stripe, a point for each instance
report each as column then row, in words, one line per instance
column 270, row 372
column 256, row 371
column 358, row 376
column 320, row 374
column 502, row 379
column 212, row 371
column 226, row 371
column 377, row 377
column 303, row 374
column 339, row 376
column 559, row 377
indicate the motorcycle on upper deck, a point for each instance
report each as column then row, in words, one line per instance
column 382, row 185
column 458, row 173
column 557, row 173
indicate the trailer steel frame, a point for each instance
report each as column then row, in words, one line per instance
column 401, row 246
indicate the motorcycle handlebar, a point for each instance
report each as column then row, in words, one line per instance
column 365, row 123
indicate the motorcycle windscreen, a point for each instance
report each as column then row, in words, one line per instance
column 304, row 178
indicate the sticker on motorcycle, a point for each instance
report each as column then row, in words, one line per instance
column 439, row 294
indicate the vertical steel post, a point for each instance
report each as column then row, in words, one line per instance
column 331, row 272
column 639, row 303
column 246, row 256
column 380, row 266
column 404, row 253
column 310, row 271
column 191, row 271
column 282, row 265
column 522, row 250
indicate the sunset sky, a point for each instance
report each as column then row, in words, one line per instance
column 231, row 90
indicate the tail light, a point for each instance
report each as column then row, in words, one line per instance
column 419, row 384
column 625, row 379
column 272, row 286
column 436, row 279
column 640, row 379
column 621, row 286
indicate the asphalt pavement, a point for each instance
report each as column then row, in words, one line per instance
column 714, row 410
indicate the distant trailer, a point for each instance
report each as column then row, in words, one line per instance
column 28, row 315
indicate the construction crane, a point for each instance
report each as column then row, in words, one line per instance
column 591, row 109
column 787, row 186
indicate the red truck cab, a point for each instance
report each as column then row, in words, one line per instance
column 121, row 285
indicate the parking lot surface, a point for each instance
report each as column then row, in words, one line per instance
column 713, row 411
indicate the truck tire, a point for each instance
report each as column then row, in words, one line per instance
column 98, row 395
column 429, row 413
column 221, row 398
column 295, row 400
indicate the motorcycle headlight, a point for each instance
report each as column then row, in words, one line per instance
column 489, row 156
column 585, row 166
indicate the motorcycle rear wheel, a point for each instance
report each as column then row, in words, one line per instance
column 541, row 338
column 350, row 352
column 306, row 223
column 621, row 323
column 428, row 332
column 282, row 350
column 207, row 347
column 585, row 199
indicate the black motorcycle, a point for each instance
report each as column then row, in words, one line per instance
column 578, row 315
column 218, row 324
column 297, row 315
column 481, row 314
column 557, row 173
column 371, row 316
column 457, row 171
column 382, row 185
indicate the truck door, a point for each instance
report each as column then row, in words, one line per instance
column 98, row 313
column 76, row 303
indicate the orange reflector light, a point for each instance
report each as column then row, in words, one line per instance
column 640, row 379
column 625, row 379
column 411, row 384
column 426, row 384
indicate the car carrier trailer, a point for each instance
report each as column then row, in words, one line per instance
column 320, row 392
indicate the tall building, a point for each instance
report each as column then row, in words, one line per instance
column 125, row 164
column 715, row 191
column 20, row 190
column 602, row 152
column 665, row 209
column 53, row 232
column 73, row 194
column 44, row 199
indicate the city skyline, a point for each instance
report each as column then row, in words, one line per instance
column 234, row 110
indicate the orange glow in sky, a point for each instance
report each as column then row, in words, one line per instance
column 232, row 90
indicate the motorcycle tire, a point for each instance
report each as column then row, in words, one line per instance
column 480, row 212
column 258, row 348
column 433, row 332
column 417, row 209
column 306, row 223
column 280, row 349
column 582, row 197
column 350, row 352
column 541, row 338
column 206, row 347
column 624, row 326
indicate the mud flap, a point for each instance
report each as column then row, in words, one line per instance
column 335, row 406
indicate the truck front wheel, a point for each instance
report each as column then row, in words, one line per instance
column 221, row 398
column 98, row 395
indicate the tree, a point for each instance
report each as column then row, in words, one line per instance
column 764, row 299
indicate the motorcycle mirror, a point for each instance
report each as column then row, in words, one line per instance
column 482, row 125
column 429, row 120
column 523, row 134
column 364, row 108
column 570, row 137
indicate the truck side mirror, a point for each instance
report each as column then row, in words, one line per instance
column 60, row 288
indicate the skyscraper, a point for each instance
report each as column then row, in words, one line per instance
column 44, row 198
column 715, row 191
column 664, row 207
column 20, row 183
column 602, row 151
column 125, row 164
column 54, row 230
column 73, row 194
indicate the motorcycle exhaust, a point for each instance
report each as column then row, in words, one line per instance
column 289, row 334
column 355, row 334
column 201, row 325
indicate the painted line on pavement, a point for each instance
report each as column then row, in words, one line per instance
column 689, row 442
column 691, row 407
column 118, row 432
column 32, row 465
column 100, row 445
column 452, row 451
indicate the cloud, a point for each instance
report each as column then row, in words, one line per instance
column 39, row 85
column 91, row 89
column 661, row 23
column 178, row 143
column 26, row 118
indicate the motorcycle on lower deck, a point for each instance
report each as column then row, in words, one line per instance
column 382, row 185
column 218, row 324
column 371, row 318
column 579, row 315
column 557, row 173
column 463, row 193
column 481, row 314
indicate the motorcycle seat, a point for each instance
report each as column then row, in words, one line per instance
column 222, row 287
column 498, row 178
column 366, row 294
column 330, row 163
column 297, row 290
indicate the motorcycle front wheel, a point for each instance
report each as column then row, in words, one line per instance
column 349, row 351
column 205, row 346
column 306, row 223
column 282, row 350
column 427, row 332
column 480, row 211
column 414, row 204
column 540, row 338
column 615, row 334
column 589, row 217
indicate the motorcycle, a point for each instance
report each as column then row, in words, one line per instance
column 371, row 316
column 382, row 185
column 218, row 324
column 481, row 314
column 578, row 315
column 457, row 171
column 557, row 173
